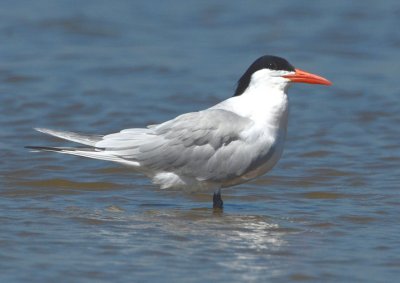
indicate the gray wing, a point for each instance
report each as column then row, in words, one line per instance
column 206, row 145
column 71, row 136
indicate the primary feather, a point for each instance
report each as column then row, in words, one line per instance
column 71, row 136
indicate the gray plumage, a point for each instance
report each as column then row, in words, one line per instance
column 192, row 146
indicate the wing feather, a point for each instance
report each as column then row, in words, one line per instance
column 71, row 136
column 197, row 144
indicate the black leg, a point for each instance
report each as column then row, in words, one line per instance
column 217, row 200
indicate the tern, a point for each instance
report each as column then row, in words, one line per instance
column 227, row 144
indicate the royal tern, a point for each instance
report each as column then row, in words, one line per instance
column 227, row 144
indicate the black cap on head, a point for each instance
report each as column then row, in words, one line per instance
column 264, row 62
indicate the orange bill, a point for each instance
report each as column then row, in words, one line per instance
column 301, row 76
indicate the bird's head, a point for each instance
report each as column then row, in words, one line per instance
column 275, row 72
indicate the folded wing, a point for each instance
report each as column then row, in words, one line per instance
column 206, row 145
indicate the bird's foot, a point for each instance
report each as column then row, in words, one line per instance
column 217, row 200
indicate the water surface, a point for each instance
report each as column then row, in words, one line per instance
column 328, row 212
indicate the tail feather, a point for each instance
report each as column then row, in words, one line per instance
column 91, row 152
column 86, row 152
column 85, row 139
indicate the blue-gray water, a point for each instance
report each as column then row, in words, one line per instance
column 328, row 212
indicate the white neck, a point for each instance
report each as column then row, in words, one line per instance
column 260, row 102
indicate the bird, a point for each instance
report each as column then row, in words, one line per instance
column 230, row 143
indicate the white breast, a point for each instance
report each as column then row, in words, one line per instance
column 269, row 112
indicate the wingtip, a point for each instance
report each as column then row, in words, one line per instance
column 42, row 130
column 42, row 148
column 32, row 148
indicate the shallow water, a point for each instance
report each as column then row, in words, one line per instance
column 328, row 212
